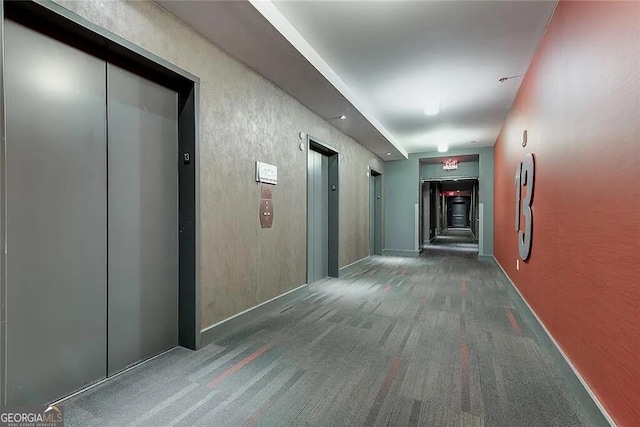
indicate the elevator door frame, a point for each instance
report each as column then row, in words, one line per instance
column 55, row 21
column 333, row 202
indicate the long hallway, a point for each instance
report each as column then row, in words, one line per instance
column 402, row 341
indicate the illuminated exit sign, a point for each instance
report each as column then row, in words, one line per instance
column 450, row 165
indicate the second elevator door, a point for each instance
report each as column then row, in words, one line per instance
column 143, row 218
column 318, row 217
column 376, row 215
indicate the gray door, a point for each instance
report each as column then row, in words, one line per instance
column 317, row 217
column 143, row 219
column 56, row 195
column 459, row 214
column 375, row 220
column 372, row 214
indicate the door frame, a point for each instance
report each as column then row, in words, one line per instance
column 333, row 157
column 54, row 20
column 443, row 207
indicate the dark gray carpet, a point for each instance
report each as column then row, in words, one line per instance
column 452, row 241
column 403, row 341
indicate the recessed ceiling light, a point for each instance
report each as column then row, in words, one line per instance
column 342, row 117
column 432, row 108
column 388, row 154
column 443, row 148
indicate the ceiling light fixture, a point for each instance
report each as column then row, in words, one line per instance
column 342, row 117
column 388, row 154
column 432, row 108
column 443, row 148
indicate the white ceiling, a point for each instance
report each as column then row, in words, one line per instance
column 396, row 57
column 381, row 62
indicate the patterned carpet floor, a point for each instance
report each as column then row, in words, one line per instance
column 452, row 241
column 432, row 341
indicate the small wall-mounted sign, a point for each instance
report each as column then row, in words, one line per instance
column 266, row 173
column 266, row 193
column 450, row 165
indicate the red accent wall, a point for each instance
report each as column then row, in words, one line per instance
column 580, row 102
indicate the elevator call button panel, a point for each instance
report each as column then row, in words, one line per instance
column 266, row 213
column 266, row 206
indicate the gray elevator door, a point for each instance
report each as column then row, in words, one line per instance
column 372, row 214
column 377, row 222
column 56, row 194
column 318, row 216
column 375, row 214
column 143, row 219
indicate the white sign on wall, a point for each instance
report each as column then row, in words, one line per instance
column 266, row 173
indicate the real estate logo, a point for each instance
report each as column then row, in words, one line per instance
column 525, row 174
column 31, row 416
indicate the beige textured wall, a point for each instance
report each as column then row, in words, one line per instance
column 245, row 118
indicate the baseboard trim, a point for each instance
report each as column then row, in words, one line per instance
column 401, row 252
column 226, row 327
column 578, row 385
column 348, row 269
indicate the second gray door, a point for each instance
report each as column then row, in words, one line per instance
column 318, row 217
column 375, row 214
column 378, row 215
column 143, row 218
